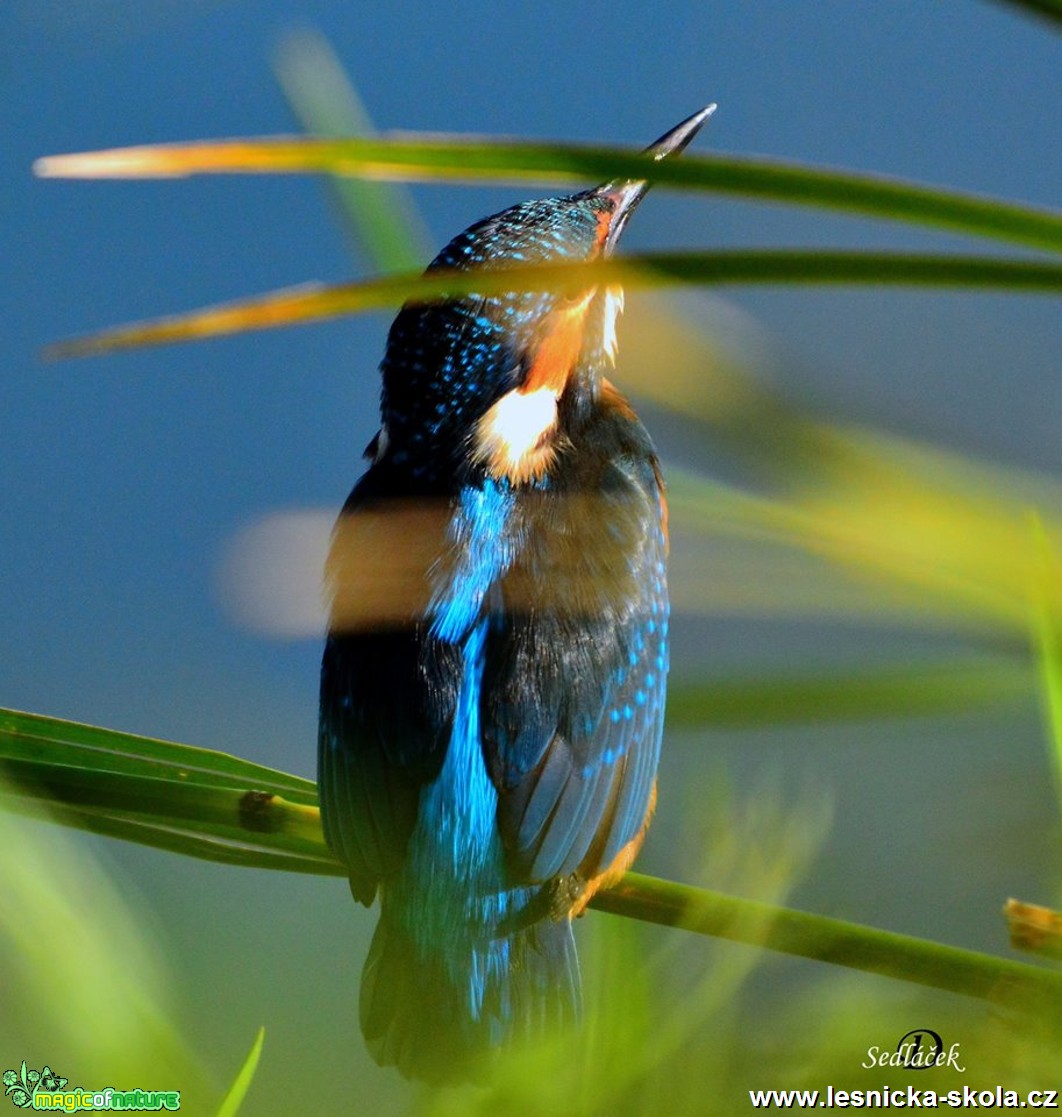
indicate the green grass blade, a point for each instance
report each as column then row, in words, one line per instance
column 166, row 835
column 903, row 690
column 188, row 800
column 471, row 159
column 220, row 812
column 381, row 217
column 35, row 738
column 232, row 1101
column 63, row 916
column 315, row 303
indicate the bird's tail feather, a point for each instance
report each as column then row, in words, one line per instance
column 440, row 1017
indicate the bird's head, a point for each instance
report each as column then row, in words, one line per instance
column 484, row 381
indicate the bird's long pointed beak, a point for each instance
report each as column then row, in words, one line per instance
column 629, row 192
column 671, row 143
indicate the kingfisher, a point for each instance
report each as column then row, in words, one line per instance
column 492, row 697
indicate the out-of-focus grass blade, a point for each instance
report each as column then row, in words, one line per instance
column 317, row 302
column 729, row 557
column 383, row 221
column 232, row 1101
column 905, row 531
column 906, row 690
column 1047, row 611
column 914, row 532
column 1047, row 9
column 71, row 938
column 478, row 159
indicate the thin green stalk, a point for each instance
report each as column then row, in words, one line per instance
column 823, row 939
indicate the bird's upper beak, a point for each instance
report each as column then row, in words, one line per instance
column 627, row 193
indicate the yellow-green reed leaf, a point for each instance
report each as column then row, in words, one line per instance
column 896, row 690
column 810, row 550
column 232, row 1101
column 1046, row 596
column 479, row 159
column 733, row 553
column 381, row 217
column 864, row 527
column 910, row 516
column 317, row 302
column 854, row 523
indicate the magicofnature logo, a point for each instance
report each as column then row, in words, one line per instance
column 43, row 1089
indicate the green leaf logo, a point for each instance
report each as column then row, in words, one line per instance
column 22, row 1085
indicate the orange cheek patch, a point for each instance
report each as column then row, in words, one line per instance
column 559, row 348
column 604, row 224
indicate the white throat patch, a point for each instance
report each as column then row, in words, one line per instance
column 613, row 309
column 513, row 438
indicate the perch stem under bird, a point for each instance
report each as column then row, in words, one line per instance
column 488, row 757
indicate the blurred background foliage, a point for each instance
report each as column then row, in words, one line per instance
column 865, row 507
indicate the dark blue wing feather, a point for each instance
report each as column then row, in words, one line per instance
column 386, row 706
column 574, row 687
